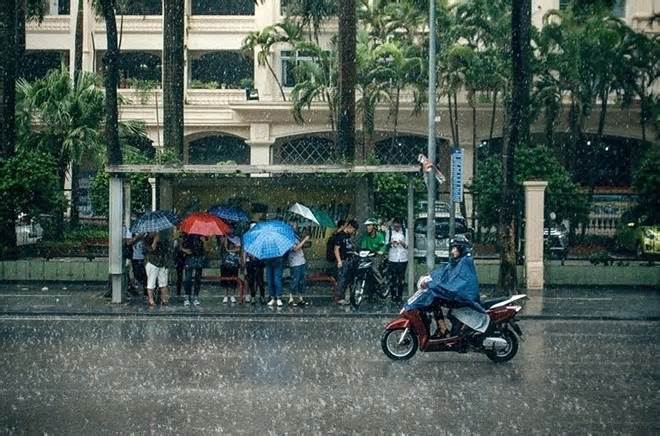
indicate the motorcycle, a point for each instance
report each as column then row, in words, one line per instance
column 410, row 331
column 364, row 282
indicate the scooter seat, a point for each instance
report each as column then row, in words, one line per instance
column 486, row 304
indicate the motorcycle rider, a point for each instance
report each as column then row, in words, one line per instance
column 453, row 283
column 374, row 241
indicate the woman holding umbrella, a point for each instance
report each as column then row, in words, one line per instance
column 193, row 248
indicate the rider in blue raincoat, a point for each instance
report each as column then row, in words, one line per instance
column 452, row 284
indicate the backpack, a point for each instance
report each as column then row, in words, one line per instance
column 330, row 249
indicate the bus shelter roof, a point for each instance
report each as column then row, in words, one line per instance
column 260, row 169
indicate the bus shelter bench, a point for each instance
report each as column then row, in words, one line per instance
column 240, row 284
column 324, row 278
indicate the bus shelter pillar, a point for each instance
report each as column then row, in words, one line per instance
column 115, row 215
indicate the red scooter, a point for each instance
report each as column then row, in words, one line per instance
column 410, row 330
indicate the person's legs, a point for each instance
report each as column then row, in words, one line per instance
column 397, row 274
column 251, row 272
column 188, row 282
column 278, row 269
column 260, row 281
column 342, row 282
column 179, row 277
column 162, row 282
column 270, row 278
column 152, row 278
column 197, row 281
column 140, row 274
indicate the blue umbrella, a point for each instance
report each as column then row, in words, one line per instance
column 154, row 222
column 229, row 213
column 268, row 239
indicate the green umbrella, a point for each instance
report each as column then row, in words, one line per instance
column 324, row 219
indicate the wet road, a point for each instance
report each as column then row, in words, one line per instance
column 312, row 376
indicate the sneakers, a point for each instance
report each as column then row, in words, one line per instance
column 271, row 302
column 225, row 300
column 248, row 298
column 291, row 300
column 262, row 300
column 279, row 303
column 233, row 299
column 186, row 303
column 342, row 302
column 196, row 302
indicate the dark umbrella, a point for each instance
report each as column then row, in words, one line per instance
column 229, row 213
column 154, row 221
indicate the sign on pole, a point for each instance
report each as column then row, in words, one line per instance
column 457, row 155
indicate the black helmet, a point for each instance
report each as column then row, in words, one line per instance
column 461, row 243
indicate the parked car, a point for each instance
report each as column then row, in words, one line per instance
column 644, row 240
column 441, row 231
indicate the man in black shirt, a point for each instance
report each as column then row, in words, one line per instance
column 344, row 246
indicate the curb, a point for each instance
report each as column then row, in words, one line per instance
column 290, row 316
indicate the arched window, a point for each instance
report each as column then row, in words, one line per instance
column 216, row 148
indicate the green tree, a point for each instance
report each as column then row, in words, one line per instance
column 28, row 185
column 562, row 196
column 311, row 14
column 646, row 183
column 70, row 121
column 346, row 78
column 173, row 65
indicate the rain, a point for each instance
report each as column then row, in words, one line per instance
column 329, row 217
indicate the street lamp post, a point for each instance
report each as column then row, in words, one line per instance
column 431, row 185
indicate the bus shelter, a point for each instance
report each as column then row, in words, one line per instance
column 119, row 207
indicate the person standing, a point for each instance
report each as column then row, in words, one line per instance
column 231, row 264
column 159, row 260
column 254, row 269
column 179, row 261
column 397, row 258
column 137, row 263
column 343, row 248
column 274, row 268
column 298, row 268
column 193, row 247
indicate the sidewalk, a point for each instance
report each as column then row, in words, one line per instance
column 64, row 299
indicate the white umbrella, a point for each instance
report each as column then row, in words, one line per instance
column 303, row 211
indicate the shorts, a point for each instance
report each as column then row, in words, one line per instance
column 156, row 275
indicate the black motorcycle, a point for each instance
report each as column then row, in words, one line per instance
column 364, row 282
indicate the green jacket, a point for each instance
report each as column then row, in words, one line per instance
column 375, row 243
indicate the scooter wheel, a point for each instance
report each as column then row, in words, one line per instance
column 509, row 352
column 397, row 348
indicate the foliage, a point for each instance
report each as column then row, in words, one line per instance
column 29, row 185
column 140, row 188
column 391, row 195
column 531, row 163
column 646, row 184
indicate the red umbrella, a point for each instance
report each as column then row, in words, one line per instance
column 202, row 223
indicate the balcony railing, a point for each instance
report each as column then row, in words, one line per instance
column 215, row 96
column 135, row 24
column 51, row 24
column 221, row 24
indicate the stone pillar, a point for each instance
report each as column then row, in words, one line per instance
column 534, row 201
column 260, row 145
column 115, row 261
column 154, row 196
column 89, row 22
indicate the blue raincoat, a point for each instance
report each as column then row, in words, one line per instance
column 455, row 282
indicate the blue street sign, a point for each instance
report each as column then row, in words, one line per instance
column 457, row 174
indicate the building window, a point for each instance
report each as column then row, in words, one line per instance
column 37, row 63
column 140, row 7
column 619, row 8
column 289, row 61
column 220, row 69
column 214, row 149
column 309, row 150
column 51, row 7
column 225, row 7
column 136, row 68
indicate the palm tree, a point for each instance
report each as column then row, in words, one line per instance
column 7, row 79
column 110, row 81
column 173, row 65
column 287, row 32
column 311, row 14
column 315, row 80
column 347, row 78
column 518, row 134
column 64, row 118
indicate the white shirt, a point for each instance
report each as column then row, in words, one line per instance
column 397, row 253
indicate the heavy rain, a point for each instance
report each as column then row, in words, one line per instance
column 329, row 217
